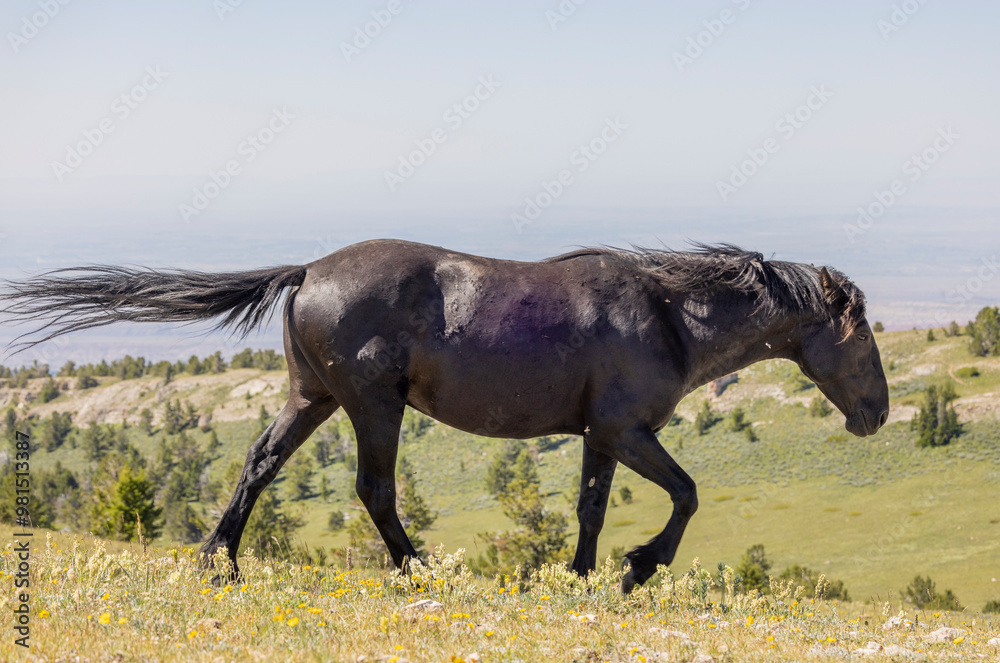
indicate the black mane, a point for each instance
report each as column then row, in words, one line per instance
column 778, row 286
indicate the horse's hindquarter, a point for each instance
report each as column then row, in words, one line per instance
column 494, row 347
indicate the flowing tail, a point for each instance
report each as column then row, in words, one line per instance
column 71, row 299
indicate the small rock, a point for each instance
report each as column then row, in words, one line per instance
column 993, row 642
column 897, row 622
column 473, row 657
column 943, row 634
column 831, row 651
column 896, row 650
column 702, row 658
column 423, row 607
column 869, row 649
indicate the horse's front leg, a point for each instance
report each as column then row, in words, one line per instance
column 595, row 486
column 640, row 451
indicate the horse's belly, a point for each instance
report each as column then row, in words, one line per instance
column 500, row 399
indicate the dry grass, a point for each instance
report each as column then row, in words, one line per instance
column 123, row 604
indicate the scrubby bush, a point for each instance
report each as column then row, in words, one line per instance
column 819, row 407
column 805, row 577
column 923, row 593
column 967, row 373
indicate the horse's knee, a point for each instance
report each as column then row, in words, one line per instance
column 686, row 501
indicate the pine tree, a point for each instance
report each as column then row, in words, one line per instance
column 117, row 507
column 269, row 528
column 54, row 435
column 146, row 421
column 514, row 461
column 10, row 423
column 298, row 477
column 937, row 422
column 539, row 537
column 415, row 513
column 984, row 333
column 705, row 419
column 753, row 568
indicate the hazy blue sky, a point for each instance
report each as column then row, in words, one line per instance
column 885, row 81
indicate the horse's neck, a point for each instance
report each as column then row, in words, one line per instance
column 738, row 339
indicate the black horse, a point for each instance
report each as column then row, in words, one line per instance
column 599, row 342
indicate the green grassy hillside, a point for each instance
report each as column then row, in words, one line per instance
column 872, row 512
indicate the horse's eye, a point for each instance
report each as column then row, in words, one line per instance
column 862, row 337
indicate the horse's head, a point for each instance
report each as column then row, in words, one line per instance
column 839, row 354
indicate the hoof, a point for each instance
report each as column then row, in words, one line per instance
column 628, row 580
column 628, row 583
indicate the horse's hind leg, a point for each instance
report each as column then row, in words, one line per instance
column 309, row 404
column 595, row 486
column 376, row 424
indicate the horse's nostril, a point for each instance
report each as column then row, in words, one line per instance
column 883, row 417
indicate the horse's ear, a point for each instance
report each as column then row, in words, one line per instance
column 833, row 293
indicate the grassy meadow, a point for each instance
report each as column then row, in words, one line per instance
column 872, row 512
column 98, row 601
